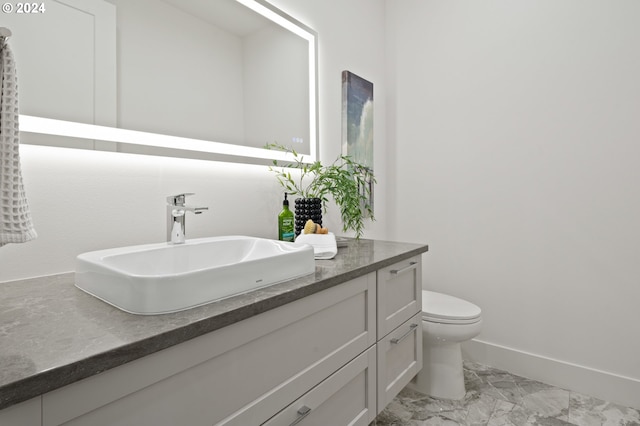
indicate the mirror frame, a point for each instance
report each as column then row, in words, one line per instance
column 211, row 150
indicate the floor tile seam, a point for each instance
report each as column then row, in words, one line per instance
column 569, row 410
column 531, row 414
column 597, row 410
column 491, row 415
column 493, row 409
column 536, row 416
column 505, row 397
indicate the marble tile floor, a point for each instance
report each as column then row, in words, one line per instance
column 497, row 398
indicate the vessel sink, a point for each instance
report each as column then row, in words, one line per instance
column 162, row 278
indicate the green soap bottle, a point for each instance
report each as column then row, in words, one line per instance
column 286, row 223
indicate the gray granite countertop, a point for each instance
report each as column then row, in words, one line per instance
column 53, row 334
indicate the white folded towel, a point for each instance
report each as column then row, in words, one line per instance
column 15, row 218
column 324, row 245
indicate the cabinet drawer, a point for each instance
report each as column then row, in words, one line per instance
column 399, row 359
column 399, row 294
column 348, row 397
column 242, row 374
column 28, row 413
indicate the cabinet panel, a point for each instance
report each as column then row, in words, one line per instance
column 399, row 294
column 28, row 413
column 275, row 357
column 399, row 359
column 348, row 397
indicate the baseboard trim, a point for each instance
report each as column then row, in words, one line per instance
column 600, row 384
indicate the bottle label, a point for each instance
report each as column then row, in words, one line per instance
column 288, row 236
column 287, row 233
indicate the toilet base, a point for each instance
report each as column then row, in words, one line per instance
column 441, row 375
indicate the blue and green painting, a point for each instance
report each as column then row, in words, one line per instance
column 357, row 118
column 357, row 127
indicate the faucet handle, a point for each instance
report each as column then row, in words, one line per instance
column 178, row 200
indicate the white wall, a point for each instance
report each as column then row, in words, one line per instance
column 84, row 200
column 515, row 125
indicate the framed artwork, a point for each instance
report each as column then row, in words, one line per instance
column 357, row 125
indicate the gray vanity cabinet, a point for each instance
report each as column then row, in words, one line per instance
column 242, row 374
column 399, row 320
column 399, row 294
column 399, row 359
column 335, row 357
column 28, row 413
column 347, row 397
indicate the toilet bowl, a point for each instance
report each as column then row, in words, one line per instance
column 446, row 322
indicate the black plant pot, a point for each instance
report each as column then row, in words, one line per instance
column 307, row 208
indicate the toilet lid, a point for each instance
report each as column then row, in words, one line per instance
column 445, row 307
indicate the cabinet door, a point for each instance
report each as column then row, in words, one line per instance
column 240, row 375
column 399, row 359
column 28, row 413
column 399, row 294
column 348, row 397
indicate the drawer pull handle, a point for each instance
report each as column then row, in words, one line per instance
column 411, row 266
column 302, row 413
column 397, row 340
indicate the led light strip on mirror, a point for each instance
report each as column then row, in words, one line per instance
column 111, row 134
column 226, row 151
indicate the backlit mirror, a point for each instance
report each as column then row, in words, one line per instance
column 210, row 79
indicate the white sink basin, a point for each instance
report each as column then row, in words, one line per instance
column 162, row 278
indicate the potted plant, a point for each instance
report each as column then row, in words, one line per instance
column 345, row 180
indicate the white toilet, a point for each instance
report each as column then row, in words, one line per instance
column 446, row 322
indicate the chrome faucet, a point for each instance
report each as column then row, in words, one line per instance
column 176, row 211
